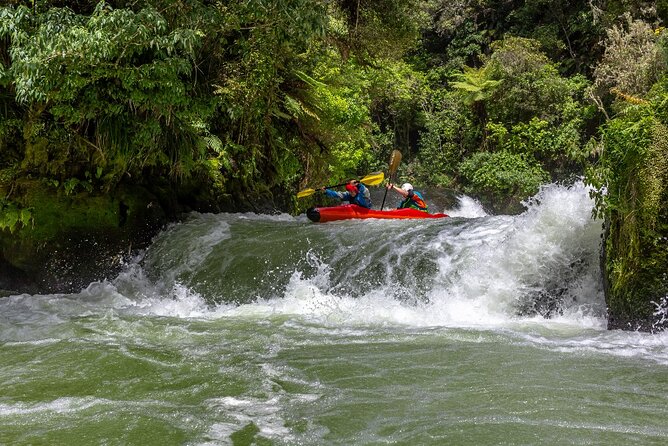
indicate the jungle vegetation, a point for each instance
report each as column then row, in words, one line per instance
column 233, row 105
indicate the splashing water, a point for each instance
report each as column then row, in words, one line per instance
column 478, row 270
column 253, row 329
column 468, row 208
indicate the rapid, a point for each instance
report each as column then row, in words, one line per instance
column 239, row 329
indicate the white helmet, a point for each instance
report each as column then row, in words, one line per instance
column 407, row 186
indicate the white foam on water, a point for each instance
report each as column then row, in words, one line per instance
column 182, row 247
column 266, row 414
column 525, row 250
column 477, row 283
column 64, row 405
column 467, row 207
column 481, row 271
column 616, row 343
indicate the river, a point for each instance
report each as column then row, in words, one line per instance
column 239, row 329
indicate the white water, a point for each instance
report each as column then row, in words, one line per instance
column 490, row 265
column 480, row 329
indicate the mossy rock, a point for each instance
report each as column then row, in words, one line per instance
column 75, row 240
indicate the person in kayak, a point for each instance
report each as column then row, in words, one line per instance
column 412, row 198
column 356, row 193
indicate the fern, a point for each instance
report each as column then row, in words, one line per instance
column 13, row 217
column 476, row 84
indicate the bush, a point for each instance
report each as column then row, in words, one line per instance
column 502, row 176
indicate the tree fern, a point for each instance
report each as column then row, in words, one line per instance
column 476, row 84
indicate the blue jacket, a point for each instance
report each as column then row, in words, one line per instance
column 363, row 197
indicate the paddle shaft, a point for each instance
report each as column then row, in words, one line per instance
column 395, row 159
column 373, row 179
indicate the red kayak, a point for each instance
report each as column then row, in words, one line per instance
column 348, row 211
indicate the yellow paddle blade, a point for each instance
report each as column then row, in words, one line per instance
column 305, row 193
column 395, row 159
column 373, row 179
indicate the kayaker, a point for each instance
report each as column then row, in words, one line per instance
column 356, row 193
column 412, row 198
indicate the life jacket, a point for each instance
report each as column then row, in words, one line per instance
column 363, row 197
column 415, row 201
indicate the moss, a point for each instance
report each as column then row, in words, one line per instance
column 636, row 247
column 55, row 212
column 75, row 240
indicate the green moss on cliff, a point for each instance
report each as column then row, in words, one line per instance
column 634, row 169
column 73, row 240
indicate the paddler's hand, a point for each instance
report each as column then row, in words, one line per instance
column 390, row 186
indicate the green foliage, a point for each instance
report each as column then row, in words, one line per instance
column 568, row 31
column 264, row 89
column 468, row 44
column 611, row 12
column 10, row 135
column 499, row 175
column 378, row 29
column 462, row 30
column 631, row 192
column 72, row 184
column 634, row 41
column 529, row 124
column 125, row 92
column 13, row 217
column 397, row 93
column 235, row 96
column 532, row 85
column 476, row 84
column 105, row 91
column 554, row 146
column 447, row 137
column 335, row 110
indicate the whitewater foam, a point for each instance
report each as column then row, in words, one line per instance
column 467, row 207
column 484, row 268
column 488, row 270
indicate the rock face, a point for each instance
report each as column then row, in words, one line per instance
column 76, row 240
column 636, row 281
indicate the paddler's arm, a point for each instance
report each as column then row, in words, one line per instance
column 333, row 193
column 400, row 191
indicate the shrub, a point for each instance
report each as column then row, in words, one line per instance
column 502, row 176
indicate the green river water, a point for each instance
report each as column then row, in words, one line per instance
column 271, row 330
